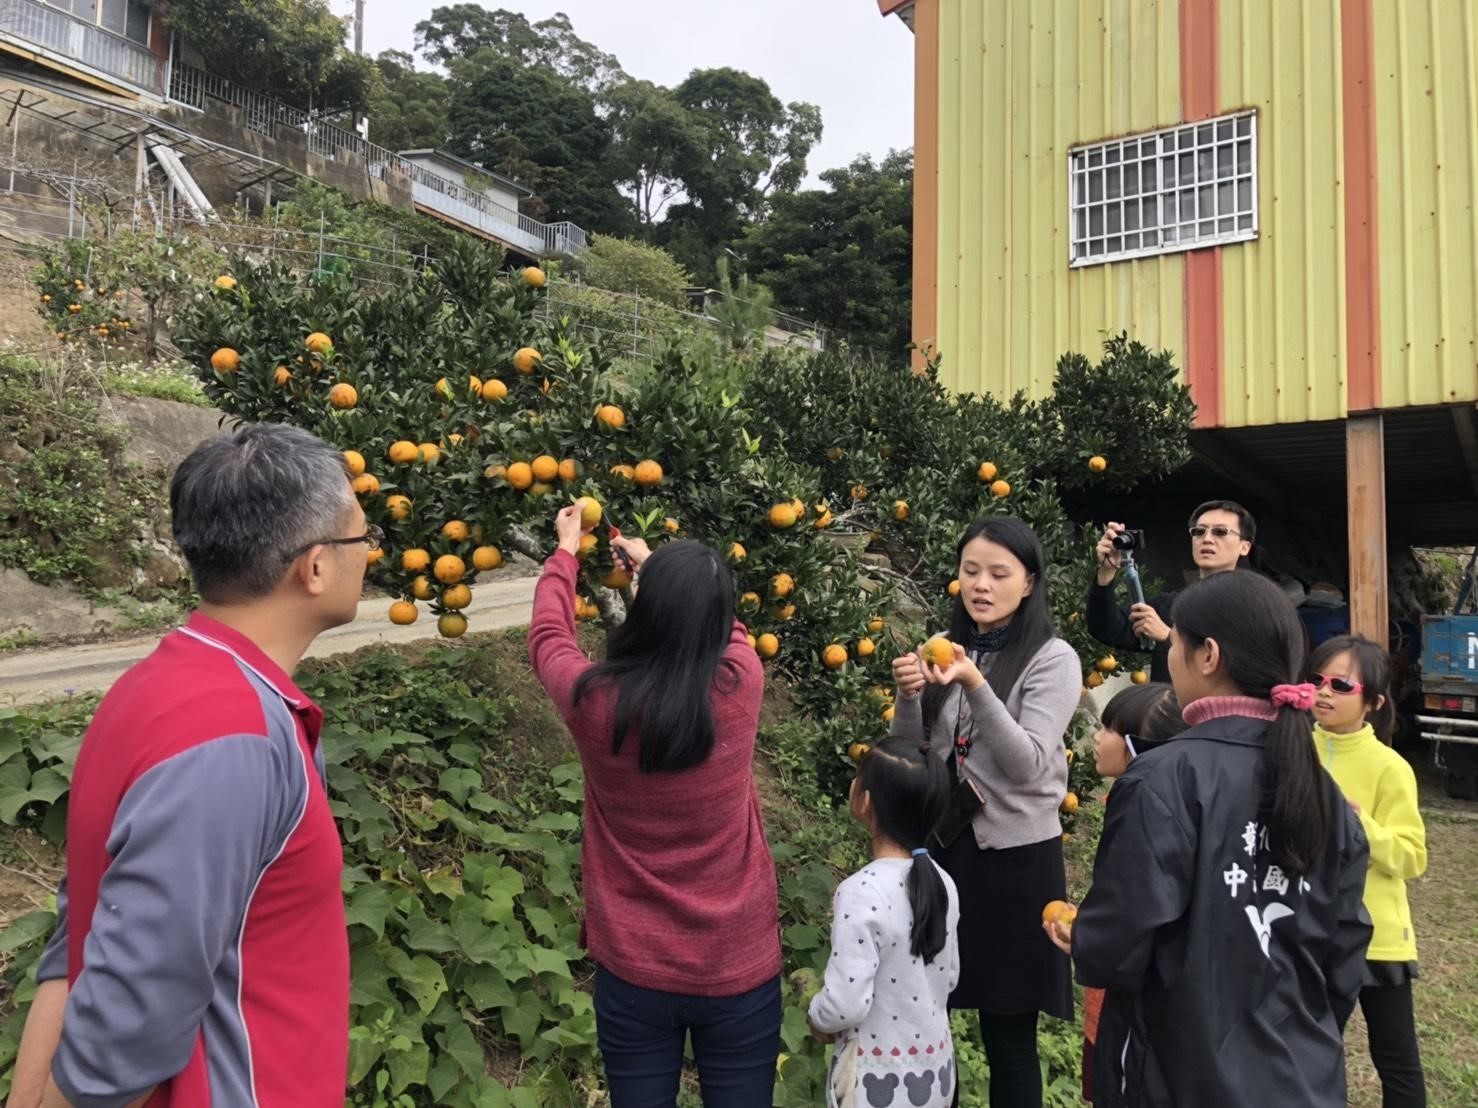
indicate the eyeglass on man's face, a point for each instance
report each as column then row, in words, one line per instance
column 1200, row 531
column 372, row 540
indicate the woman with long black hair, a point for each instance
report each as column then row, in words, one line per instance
column 681, row 915
column 1225, row 916
column 998, row 712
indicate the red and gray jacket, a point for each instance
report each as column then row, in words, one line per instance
column 201, row 922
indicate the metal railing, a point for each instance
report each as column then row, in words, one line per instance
column 194, row 88
column 66, row 38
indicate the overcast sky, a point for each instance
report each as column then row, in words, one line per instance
column 838, row 54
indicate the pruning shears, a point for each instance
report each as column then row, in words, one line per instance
column 623, row 558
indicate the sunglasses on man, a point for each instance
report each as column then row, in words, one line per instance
column 1200, row 531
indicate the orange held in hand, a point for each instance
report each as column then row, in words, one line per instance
column 1059, row 911
column 938, row 651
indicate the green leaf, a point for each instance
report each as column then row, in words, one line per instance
column 444, row 1075
column 45, row 786
column 364, row 1052
column 486, row 987
column 474, row 937
column 794, row 1030
column 424, row 933
column 29, row 928
column 444, row 881
column 409, row 1066
column 801, row 936
column 457, row 783
column 522, row 1018
column 369, row 976
column 420, row 976
column 458, row 1042
column 369, row 906
column 556, row 821
column 541, row 959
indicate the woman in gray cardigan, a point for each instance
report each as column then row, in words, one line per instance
column 999, row 712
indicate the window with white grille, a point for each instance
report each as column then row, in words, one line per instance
column 1155, row 193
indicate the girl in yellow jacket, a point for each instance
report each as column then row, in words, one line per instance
column 1353, row 716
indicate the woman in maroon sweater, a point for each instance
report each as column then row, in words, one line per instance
column 681, row 916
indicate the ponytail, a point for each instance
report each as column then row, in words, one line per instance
column 909, row 789
column 1262, row 646
column 930, row 903
column 1295, row 804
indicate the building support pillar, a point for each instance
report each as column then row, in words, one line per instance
column 1365, row 487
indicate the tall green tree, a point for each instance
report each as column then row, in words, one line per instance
column 407, row 106
column 657, row 140
column 463, row 30
column 752, row 147
column 533, row 125
column 292, row 49
column 843, row 255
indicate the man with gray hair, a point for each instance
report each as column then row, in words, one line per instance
column 201, row 956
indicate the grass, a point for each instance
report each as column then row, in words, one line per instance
column 1447, row 945
column 162, row 381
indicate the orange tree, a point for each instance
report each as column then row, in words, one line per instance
column 466, row 424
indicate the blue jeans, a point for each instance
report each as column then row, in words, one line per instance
column 736, row 1041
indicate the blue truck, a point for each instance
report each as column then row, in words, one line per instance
column 1449, row 712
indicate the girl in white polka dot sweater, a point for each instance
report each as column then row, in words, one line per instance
column 894, row 954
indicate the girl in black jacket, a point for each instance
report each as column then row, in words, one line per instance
column 1225, row 917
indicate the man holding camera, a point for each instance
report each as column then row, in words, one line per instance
column 1222, row 533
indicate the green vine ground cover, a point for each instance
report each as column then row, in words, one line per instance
column 459, row 798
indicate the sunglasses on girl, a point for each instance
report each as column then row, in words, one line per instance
column 1339, row 684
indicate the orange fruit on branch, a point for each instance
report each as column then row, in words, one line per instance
column 318, row 343
column 875, row 624
column 452, row 625
column 487, row 557
column 545, row 468
column 403, row 612
column 617, row 579
column 767, row 645
column 1139, row 677
column 415, row 560
column 398, row 506
column 608, row 415
column 1070, row 803
column 590, row 511
column 857, row 750
column 422, row 588
column 866, row 648
column 281, row 376
column 568, row 470
column 782, row 584
column 365, row 483
column 520, row 475
column 454, row 530
column 354, row 462
column 402, row 451
column 1000, row 489
column 623, row 471
column 834, row 656
column 648, row 474
column 1098, row 463
column 781, row 516
column 494, row 390
column 534, row 277
column 449, row 569
column 737, row 553
column 525, row 359
column 900, row 510
column 457, row 596
column 429, row 451
column 343, row 396
column 225, row 360
column 987, row 471
column 749, row 602
column 1107, row 664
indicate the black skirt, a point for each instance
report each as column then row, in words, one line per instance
column 1008, row 966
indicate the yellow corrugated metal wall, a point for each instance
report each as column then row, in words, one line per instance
column 1020, row 82
column 1426, row 64
column 1283, row 294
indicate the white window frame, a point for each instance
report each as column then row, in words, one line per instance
column 1163, row 215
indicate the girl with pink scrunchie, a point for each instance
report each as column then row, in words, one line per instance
column 1225, row 919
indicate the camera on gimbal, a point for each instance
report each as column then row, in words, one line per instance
column 1128, row 540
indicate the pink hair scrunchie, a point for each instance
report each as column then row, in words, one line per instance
column 1298, row 697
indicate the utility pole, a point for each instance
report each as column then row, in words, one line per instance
column 359, row 26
